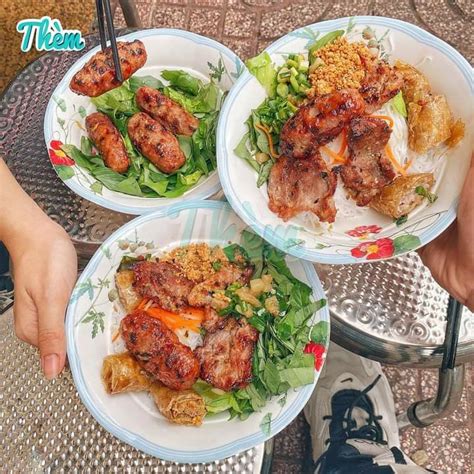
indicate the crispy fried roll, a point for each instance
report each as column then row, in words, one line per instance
column 183, row 407
column 121, row 373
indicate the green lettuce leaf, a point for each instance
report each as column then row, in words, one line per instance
column 183, row 81
column 135, row 82
column 262, row 68
column 399, row 105
column 120, row 99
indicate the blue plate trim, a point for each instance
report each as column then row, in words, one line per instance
column 139, row 442
column 64, row 84
column 224, row 119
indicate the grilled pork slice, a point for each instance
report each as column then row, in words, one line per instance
column 158, row 351
column 306, row 184
column 169, row 113
column 226, row 354
column 203, row 294
column 400, row 197
column 162, row 283
column 212, row 321
column 381, row 83
column 367, row 169
column 128, row 296
column 98, row 74
column 319, row 122
column 155, row 142
column 108, row 141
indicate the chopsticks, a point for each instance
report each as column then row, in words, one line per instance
column 103, row 7
column 450, row 345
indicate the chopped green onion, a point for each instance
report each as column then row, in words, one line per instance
column 294, row 84
column 283, row 75
column 304, row 66
column 294, row 72
column 283, row 90
column 303, row 88
column 292, row 107
column 421, row 191
column 301, row 78
column 292, row 63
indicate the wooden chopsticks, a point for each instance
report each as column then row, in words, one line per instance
column 104, row 10
column 450, row 346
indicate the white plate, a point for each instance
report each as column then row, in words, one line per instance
column 375, row 236
column 166, row 49
column 133, row 417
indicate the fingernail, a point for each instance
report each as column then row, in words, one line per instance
column 50, row 365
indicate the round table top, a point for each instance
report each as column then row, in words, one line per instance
column 391, row 311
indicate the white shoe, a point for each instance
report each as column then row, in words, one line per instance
column 371, row 408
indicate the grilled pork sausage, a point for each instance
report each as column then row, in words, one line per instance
column 170, row 114
column 108, row 141
column 156, row 143
column 158, row 350
column 98, row 74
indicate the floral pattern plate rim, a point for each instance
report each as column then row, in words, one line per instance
column 372, row 237
column 91, row 322
column 65, row 113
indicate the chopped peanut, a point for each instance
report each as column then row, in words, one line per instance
column 339, row 65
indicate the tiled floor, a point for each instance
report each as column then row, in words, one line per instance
column 247, row 26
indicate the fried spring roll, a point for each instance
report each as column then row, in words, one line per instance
column 129, row 298
column 183, row 407
column 121, row 373
column 400, row 197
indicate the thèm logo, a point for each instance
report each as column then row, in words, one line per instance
column 46, row 34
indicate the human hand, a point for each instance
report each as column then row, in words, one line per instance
column 450, row 257
column 44, row 272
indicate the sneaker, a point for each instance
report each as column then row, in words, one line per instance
column 352, row 401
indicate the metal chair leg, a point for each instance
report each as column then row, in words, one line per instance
column 130, row 13
column 426, row 412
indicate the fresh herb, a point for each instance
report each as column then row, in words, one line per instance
column 121, row 99
column 320, row 333
column 233, row 252
column 264, row 173
column 279, row 362
column 422, row 191
column 64, row 172
column 183, row 81
column 323, row 41
column 242, row 151
column 262, row 68
column 399, row 105
column 216, row 265
column 401, row 220
column 206, row 100
column 135, row 82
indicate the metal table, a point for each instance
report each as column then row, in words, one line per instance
column 389, row 311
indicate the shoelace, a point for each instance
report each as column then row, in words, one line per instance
column 371, row 431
